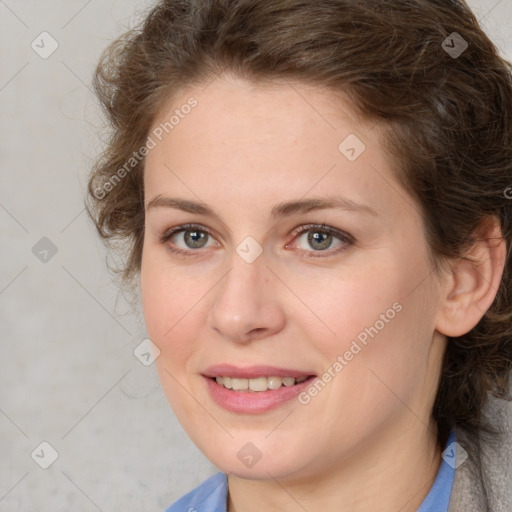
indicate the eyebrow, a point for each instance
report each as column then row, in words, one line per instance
column 279, row 211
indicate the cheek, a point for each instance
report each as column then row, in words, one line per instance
column 166, row 302
column 346, row 302
column 373, row 322
column 165, row 305
column 166, row 292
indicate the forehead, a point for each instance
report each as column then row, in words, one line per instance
column 239, row 108
column 243, row 141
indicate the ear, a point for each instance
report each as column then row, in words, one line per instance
column 473, row 281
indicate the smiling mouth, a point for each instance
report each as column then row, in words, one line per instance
column 259, row 384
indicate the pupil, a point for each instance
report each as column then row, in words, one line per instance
column 323, row 238
column 195, row 237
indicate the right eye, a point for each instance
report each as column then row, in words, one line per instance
column 192, row 236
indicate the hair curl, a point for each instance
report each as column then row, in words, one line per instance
column 448, row 125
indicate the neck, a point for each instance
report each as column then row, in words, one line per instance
column 394, row 472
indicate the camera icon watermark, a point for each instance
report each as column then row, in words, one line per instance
column 352, row 147
column 146, row 352
column 44, row 250
column 249, row 454
column 454, row 455
column 44, row 455
column 44, row 45
column 454, row 45
column 249, row 249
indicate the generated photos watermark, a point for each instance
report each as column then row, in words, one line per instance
column 355, row 348
column 156, row 136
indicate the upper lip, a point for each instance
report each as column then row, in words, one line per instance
column 253, row 372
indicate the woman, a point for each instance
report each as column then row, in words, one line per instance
column 315, row 199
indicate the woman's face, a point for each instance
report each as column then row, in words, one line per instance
column 305, row 258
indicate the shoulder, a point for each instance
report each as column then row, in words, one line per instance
column 210, row 496
column 484, row 469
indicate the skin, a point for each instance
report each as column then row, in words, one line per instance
column 367, row 440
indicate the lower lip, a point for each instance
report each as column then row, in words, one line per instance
column 256, row 402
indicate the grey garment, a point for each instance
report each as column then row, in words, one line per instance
column 485, row 485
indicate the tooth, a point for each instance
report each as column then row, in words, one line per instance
column 239, row 384
column 258, row 384
column 274, row 382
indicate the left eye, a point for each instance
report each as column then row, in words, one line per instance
column 321, row 238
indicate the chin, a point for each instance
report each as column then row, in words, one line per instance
column 273, row 463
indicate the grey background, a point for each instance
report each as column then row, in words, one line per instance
column 68, row 375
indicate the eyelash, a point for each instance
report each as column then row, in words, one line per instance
column 347, row 239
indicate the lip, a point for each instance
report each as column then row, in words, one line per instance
column 253, row 372
column 245, row 402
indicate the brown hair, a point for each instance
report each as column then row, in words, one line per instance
column 447, row 119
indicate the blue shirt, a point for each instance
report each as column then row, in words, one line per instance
column 212, row 494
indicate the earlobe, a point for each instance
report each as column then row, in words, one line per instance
column 473, row 281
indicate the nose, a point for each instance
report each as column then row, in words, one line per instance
column 246, row 304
